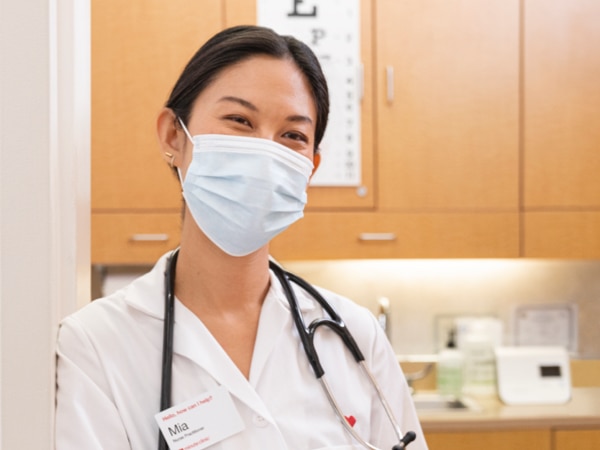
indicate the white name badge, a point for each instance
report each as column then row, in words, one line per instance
column 200, row 422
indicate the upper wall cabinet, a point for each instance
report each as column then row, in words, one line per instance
column 480, row 131
column 138, row 51
column 561, row 131
column 447, row 139
column 447, row 105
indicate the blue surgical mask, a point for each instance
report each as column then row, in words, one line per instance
column 244, row 191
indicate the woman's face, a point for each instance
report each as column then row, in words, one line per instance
column 261, row 97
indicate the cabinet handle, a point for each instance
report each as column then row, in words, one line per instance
column 377, row 237
column 389, row 72
column 156, row 237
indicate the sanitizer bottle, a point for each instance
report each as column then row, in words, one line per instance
column 450, row 369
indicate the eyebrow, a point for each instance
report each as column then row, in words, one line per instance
column 239, row 101
column 249, row 105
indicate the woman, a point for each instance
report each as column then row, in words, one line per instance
column 241, row 128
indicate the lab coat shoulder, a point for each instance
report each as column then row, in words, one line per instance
column 95, row 347
column 82, row 387
column 107, row 327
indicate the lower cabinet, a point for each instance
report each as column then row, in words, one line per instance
column 490, row 440
column 536, row 439
column 131, row 239
column 576, row 439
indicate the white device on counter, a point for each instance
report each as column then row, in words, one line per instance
column 533, row 375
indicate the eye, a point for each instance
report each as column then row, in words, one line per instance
column 296, row 136
column 239, row 119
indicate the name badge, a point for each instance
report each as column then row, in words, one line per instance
column 200, row 422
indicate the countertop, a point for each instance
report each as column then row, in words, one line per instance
column 583, row 410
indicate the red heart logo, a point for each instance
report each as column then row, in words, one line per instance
column 351, row 420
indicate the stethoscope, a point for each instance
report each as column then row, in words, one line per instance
column 307, row 335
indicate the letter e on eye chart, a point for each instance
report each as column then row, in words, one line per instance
column 198, row 423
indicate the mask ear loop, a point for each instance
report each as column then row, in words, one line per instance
column 187, row 133
column 186, row 130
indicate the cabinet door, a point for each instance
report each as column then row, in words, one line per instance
column 138, row 51
column 447, row 104
column 562, row 104
column 561, row 234
column 561, row 129
column 399, row 235
column 126, row 238
column 489, row 440
column 576, row 439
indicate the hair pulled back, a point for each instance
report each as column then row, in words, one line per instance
column 239, row 43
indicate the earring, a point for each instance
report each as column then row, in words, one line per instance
column 171, row 160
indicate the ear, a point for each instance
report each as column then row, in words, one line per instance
column 171, row 138
column 316, row 163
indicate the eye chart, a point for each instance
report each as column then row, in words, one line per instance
column 331, row 28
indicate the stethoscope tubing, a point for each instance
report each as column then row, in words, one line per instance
column 168, row 329
column 334, row 322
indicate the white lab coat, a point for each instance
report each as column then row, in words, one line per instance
column 109, row 375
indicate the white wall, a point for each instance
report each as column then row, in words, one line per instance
column 44, row 202
column 423, row 292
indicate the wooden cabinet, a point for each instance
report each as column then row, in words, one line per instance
column 447, row 105
column 480, row 131
column 391, row 235
column 540, row 439
column 447, row 150
column 490, row 440
column 561, row 233
column 561, row 134
column 576, row 439
column 138, row 51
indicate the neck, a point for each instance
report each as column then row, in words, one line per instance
column 211, row 281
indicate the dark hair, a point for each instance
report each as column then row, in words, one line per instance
column 236, row 44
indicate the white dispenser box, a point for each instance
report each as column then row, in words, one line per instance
column 533, row 375
column 477, row 337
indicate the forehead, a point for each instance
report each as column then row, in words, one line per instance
column 263, row 80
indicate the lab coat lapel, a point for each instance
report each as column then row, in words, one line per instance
column 193, row 341
column 274, row 319
column 191, row 338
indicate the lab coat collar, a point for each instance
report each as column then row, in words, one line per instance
column 147, row 293
column 275, row 318
column 193, row 341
